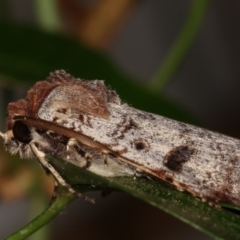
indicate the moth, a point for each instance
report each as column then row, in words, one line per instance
column 85, row 123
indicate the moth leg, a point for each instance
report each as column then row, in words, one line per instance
column 83, row 158
column 42, row 159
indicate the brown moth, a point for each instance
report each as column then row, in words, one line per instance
column 85, row 123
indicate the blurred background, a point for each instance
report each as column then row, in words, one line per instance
column 176, row 58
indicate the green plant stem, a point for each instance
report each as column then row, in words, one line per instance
column 63, row 199
column 180, row 47
column 39, row 204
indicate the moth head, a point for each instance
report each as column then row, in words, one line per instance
column 17, row 139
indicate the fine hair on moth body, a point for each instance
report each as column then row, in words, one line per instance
column 85, row 123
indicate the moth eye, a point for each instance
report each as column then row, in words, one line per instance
column 21, row 132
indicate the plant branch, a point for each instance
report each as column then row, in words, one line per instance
column 63, row 199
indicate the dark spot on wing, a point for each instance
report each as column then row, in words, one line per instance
column 80, row 117
column 140, row 144
column 176, row 157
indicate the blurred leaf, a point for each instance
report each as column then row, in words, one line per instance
column 28, row 54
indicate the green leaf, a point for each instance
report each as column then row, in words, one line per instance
column 218, row 223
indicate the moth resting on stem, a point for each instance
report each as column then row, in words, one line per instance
column 85, row 123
